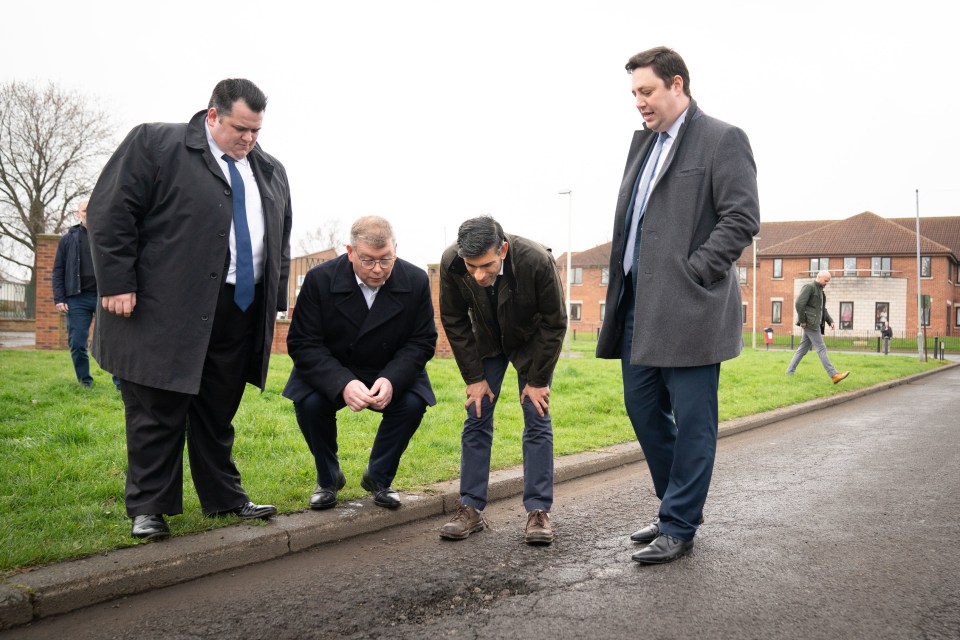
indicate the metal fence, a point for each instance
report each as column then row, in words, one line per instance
column 14, row 301
column 847, row 340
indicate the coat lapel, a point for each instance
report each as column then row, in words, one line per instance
column 389, row 301
column 346, row 294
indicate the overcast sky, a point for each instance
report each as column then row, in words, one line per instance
column 429, row 113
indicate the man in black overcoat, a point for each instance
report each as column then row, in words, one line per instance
column 190, row 232
column 361, row 335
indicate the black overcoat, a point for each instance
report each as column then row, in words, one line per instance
column 334, row 338
column 159, row 222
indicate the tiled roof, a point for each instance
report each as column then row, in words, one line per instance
column 944, row 230
column 865, row 234
column 861, row 235
column 599, row 256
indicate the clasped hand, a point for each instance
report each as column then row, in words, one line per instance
column 359, row 397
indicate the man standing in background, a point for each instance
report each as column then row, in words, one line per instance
column 75, row 293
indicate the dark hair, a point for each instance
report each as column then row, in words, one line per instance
column 479, row 235
column 230, row 90
column 666, row 63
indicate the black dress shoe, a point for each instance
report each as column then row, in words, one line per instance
column 326, row 497
column 663, row 549
column 382, row 496
column 150, row 527
column 647, row 534
column 249, row 511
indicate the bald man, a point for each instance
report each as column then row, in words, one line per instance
column 812, row 316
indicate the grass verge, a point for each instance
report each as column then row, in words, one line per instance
column 63, row 446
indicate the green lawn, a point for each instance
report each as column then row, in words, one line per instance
column 61, row 484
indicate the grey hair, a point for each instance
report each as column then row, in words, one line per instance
column 371, row 230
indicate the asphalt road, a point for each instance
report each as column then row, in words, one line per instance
column 841, row 523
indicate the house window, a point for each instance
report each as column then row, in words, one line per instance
column 778, row 267
column 603, row 310
column 846, row 315
column 776, row 312
column 926, row 317
column 926, row 266
column 882, row 315
column 819, row 264
column 850, row 266
column 880, row 266
column 957, row 309
column 743, row 274
column 300, row 279
column 743, row 313
column 577, row 274
column 575, row 311
column 604, row 276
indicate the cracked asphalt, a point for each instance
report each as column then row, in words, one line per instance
column 840, row 523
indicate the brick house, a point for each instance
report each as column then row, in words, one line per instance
column 873, row 262
column 588, row 287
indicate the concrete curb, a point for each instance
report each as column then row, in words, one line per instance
column 67, row 586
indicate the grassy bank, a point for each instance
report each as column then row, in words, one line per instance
column 63, row 447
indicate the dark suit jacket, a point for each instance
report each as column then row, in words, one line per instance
column 334, row 338
column 159, row 222
column 702, row 212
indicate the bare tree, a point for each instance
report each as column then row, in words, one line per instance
column 329, row 235
column 51, row 144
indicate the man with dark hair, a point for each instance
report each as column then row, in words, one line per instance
column 75, row 292
column 361, row 335
column 190, row 228
column 688, row 207
column 501, row 301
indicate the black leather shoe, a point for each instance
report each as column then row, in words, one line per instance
column 663, row 549
column 382, row 496
column 647, row 534
column 249, row 511
column 150, row 527
column 326, row 497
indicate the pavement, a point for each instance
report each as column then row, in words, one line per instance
column 59, row 588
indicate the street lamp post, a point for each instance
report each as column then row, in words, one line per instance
column 569, row 194
column 920, row 344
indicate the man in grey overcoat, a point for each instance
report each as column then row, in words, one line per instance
column 190, row 230
column 688, row 207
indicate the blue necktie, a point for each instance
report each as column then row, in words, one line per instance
column 632, row 246
column 243, row 293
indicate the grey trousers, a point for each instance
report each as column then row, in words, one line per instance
column 477, row 440
column 812, row 337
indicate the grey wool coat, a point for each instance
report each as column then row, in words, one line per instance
column 702, row 212
column 159, row 222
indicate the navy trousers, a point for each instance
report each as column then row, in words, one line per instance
column 317, row 417
column 674, row 413
column 476, row 442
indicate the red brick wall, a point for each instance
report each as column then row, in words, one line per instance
column 51, row 326
column 443, row 345
column 590, row 294
column 938, row 287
